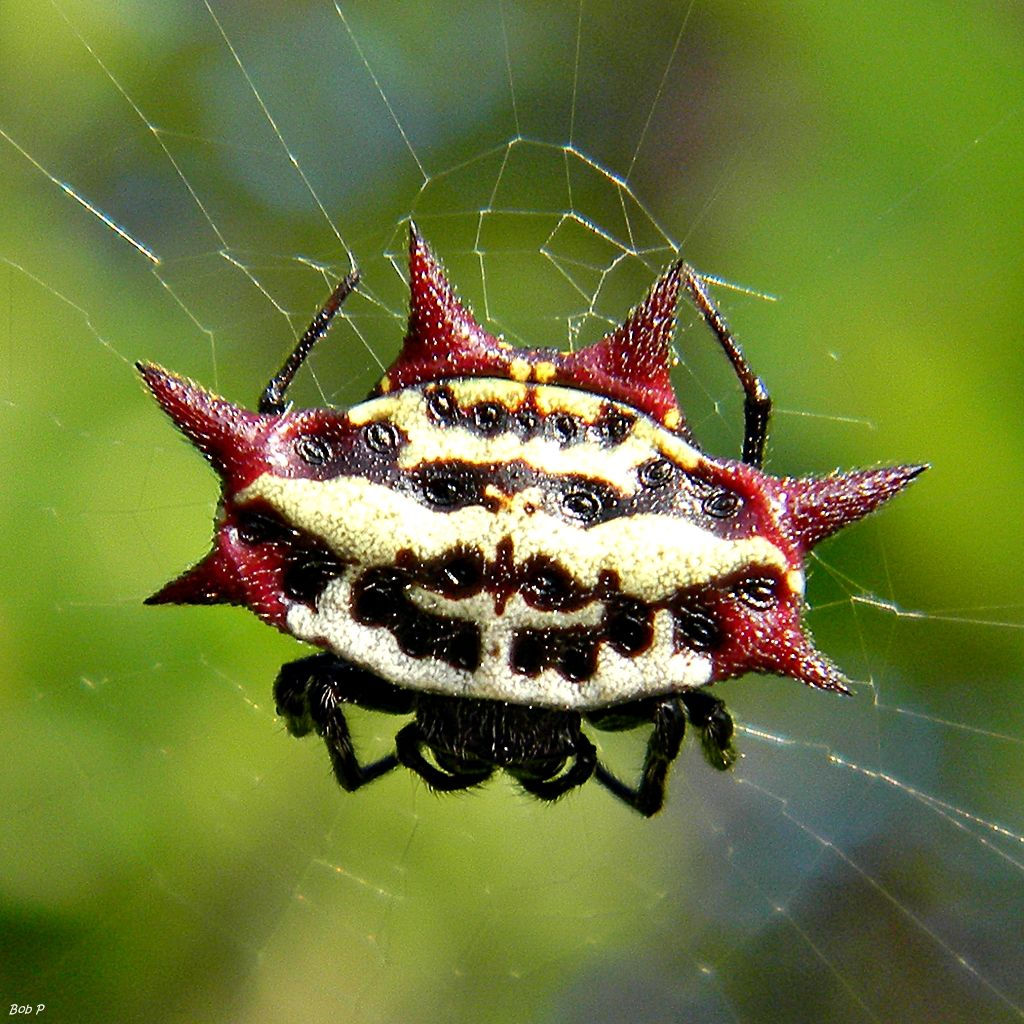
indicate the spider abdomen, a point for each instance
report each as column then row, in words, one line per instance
column 558, row 569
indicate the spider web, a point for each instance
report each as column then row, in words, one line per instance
column 185, row 183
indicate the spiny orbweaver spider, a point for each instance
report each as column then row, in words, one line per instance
column 507, row 543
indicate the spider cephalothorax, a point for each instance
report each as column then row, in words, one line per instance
column 505, row 542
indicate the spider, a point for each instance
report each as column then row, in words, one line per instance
column 468, row 739
column 513, row 544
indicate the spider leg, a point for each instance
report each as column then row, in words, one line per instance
column 757, row 404
column 351, row 775
column 583, row 767
column 311, row 693
column 409, row 746
column 354, row 685
column 272, row 400
column 662, row 749
column 711, row 717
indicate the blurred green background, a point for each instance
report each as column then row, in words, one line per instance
column 168, row 852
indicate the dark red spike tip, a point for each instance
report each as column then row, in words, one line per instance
column 225, row 433
column 632, row 362
column 435, row 312
column 773, row 641
column 817, row 507
column 804, row 662
column 211, row 581
column 443, row 339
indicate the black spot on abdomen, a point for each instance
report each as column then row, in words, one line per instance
column 547, row 586
column 571, row 651
column 628, row 625
column 380, row 597
column 694, row 626
column 308, row 575
column 456, row 574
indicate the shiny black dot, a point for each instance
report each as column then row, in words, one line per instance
column 457, row 575
column 441, row 406
column 529, row 653
column 721, row 504
column 655, row 473
column 313, row 450
column 582, row 504
column 258, row 527
column 446, row 490
column 613, row 427
column 563, row 428
column 578, row 659
column 378, row 597
column 757, row 592
column 381, row 436
column 628, row 626
column 696, row 628
column 489, row 418
column 527, row 423
column 306, row 577
column 549, row 588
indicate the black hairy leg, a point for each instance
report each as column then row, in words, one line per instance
column 311, row 694
column 456, row 743
column 669, row 716
column 455, row 774
column 712, row 719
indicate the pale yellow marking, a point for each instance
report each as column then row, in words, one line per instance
column 616, row 464
column 544, row 371
column 795, row 581
column 519, row 369
column 680, row 452
column 406, row 408
column 495, row 494
column 584, row 404
column 385, row 384
column 383, row 408
column 472, row 390
column 368, row 523
column 618, row 678
column 671, row 419
column 616, row 467
column 517, row 613
column 428, row 442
